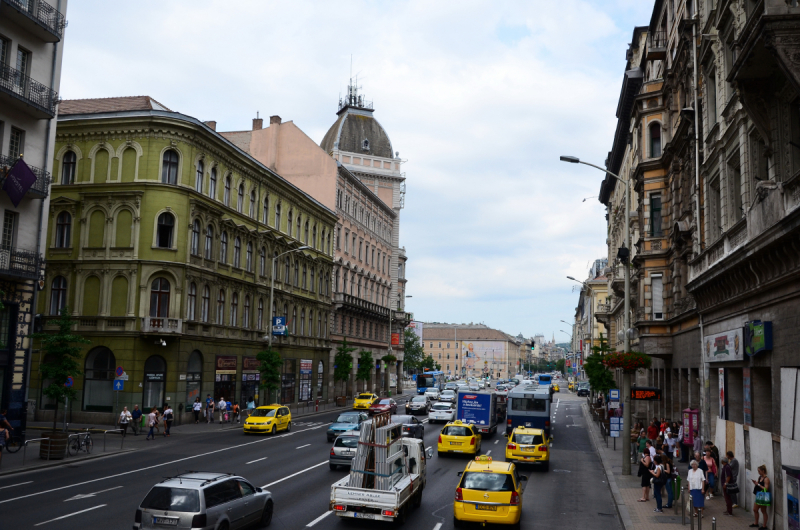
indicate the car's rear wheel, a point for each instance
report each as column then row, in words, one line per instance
column 457, row 523
column 224, row 526
column 288, row 426
column 266, row 515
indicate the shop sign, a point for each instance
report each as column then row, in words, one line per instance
column 725, row 346
column 226, row 372
column 250, row 365
column 154, row 377
column 306, row 366
column 395, row 339
column 757, row 337
column 645, row 393
column 251, row 377
column 227, row 362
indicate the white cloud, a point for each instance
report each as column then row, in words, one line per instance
column 481, row 97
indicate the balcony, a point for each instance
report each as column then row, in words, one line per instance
column 162, row 326
column 657, row 46
column 40, row 188
column 19, row 264
column 357, row 304
column 36, row 16
column 39, row 100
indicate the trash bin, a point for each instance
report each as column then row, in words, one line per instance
column 676, row 483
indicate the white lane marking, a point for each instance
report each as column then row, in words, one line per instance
column 428, row 447
column 495, row 442
column 295, row 474
column 438, row 526
column 145, row 468
column 424, row 421
column 15, row 485
column 88, row 495
column 256, row 460
column 70, row 515
column 488, row 452
column 320, row 518
column 300, row 447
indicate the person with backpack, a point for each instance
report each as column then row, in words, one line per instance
column 669, row 469
column 236, row 411
column 659, row 479
column 152, row 421
column 168, row 417
column 229, row 411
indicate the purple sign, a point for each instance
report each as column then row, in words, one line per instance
column 18, row 181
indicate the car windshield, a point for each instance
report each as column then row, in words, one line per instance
column 418, row 399
column 346, row 441
column 264, row 412
column 385, row 402
column 528, row 439
column 402, row 419
column 456, row 430
column 441, row 406
column 347, row 418
column 172, row 499
column 364, row 396
column 487, row 481
column 448, row 393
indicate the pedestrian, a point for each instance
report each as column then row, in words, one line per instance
column 634, row 442
column 725, row 476
column 152, row 421
column 644, row 471
column 696, row 479
column 663, row 427
column 125, row 418
column 659, row 443
column 711, row 474
column 658, row 482
column 4, row 420
column 136, row 420
column 682, row 444
column 169, row 416
column 223, row 408
column 196, row 408
column 763, row 496
column 236, row 411
column 642, row 441
column 229, row 410
column 210, row 404
column 697, row 444
column 4, row 436
column 669, row 469
column 652, row 430
column 251, row 405
column 649, row 446
column 710, row 447
column 672, row 441
column 734, row 492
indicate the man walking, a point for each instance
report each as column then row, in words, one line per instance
column 734, row 479
column 223, row 408
column 168, row 417
column 209, row 409
column 136, row 420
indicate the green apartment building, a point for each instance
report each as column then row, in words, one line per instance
column 160, row 241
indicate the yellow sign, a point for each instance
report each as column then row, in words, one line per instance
column 484, row 458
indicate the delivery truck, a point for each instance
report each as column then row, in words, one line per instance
column 478, row 408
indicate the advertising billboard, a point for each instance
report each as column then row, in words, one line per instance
column 417, row 326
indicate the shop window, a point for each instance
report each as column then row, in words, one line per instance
column 194, row 378
column 153, row 386
column 98, row 389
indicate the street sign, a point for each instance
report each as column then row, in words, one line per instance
column 69, row 382
column 119, row 371
column 646, row 393
column 279, row 326
column 613, row 434
column 613, row 404
column 119, row 385
column 615, row 424
column 613, row 394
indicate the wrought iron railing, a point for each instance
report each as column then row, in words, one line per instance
column 42, row 13
column 28, row 90
column 41, row 187
column 19, row 263
column 657, row 40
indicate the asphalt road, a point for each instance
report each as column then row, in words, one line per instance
column 104, row 493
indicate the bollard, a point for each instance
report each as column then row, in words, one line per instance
column 700, row 520
column 683, row 509
column 678, row 497
column 691, row 511
column 713, row 523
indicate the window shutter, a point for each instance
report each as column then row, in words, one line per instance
column 658, row 298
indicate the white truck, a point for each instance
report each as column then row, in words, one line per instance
column 392, row 504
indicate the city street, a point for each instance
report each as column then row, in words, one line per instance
column 105, row 493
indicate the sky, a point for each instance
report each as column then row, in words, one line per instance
column 479, row 97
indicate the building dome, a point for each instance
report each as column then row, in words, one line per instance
column 356, row 130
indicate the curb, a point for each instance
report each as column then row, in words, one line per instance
column 621, row 507
column 64, row 462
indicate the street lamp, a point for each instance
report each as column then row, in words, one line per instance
column 272, row 288
column 623, row 253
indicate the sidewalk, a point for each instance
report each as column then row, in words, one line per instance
column 626, row 491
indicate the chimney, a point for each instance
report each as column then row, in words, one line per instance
column 275, row 120
column 211, row 125
column 258, row 124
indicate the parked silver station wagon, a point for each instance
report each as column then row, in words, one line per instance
column 205, row 501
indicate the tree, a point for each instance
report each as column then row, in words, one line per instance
column 343, row 362
column 560, row 365
column 62, row 353
column 413, row 352
column 429, row 363
column 366, row 365
column 270, row 369
column 600, row 378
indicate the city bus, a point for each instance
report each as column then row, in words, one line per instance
column 430, row 379
column 528, row 406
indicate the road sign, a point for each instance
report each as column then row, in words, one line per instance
column 613, row 434
column 119, row 385
column 119, row 371
column 279, row 326
column 613, row 394
column 69, row 382
column 123, row 377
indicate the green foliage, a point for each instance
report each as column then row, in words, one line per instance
column 429, row 363
column 413, row 353
column 343, row 361
column 270, row 369
column 389, row 359
column 366, row 365
column 61, row 359
column 600, row 378
column 561, row 365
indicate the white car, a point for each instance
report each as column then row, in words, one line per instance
column 448, row 395
column 432, row 394
column 441, row 411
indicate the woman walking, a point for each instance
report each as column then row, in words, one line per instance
column 168, row 417
column 152, row 421
column 669, row 469
column 124, row 419
column 696, row 479
column 658, row 482
column 644, row 472
column 763, row 496
column 196, row 408
column 708, row 456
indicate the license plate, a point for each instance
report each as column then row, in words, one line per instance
column 529, row 449
column 168, row 521
column 364, row 515
column 486, row 507
column 455, row 443
column 347, row 453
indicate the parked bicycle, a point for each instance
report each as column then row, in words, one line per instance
column 80, row 442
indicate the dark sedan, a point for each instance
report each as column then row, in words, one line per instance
column 384, row 405
column 583, row 390
column 418, row 405
column 412, row 427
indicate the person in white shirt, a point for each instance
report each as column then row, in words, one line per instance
column 124, row 419
column 671, row 442
column 223, row 408
column 196, row 408
column 152, row 421
column 696, row 479
column 168, row 417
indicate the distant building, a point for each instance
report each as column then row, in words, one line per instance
column 473, row 350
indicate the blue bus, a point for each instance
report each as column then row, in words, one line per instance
column 545, row 379
column 528, row 406
column 432, row 379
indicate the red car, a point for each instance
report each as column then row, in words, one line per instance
column 383, row 405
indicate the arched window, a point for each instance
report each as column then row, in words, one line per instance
column 240, row 199
column 289, row 224
column 265, row 213
column 260, row 315
column 191, row 301
column 311, row 284
column 262, row 262
column 248, row 262
column 246, row 313
column 235, row 309
column 287, row 275
column 314, row 237
column 655, row 140
column 68, row 163
column 204, row 310
column 305, row 233
column 319, row 324
column 237, row 252
column 198, row 179
column 196, row 237
column 298, row 226
column 63, row 230
column 194, row 376
column 305, row 276
column 209, row 241
column 58, row 295
column 155, row 377
column 226, row 197
column 278, row 216
column 212, row 183
column 169, row 167
column 159, row 298
column 253, row 204
column 221, row 307
column 166, row 225
column 223, row 247
column 296, row 274
column 98, row 374
column 302, row 323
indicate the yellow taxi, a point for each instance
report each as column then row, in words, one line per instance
column 269, row 419
column 528, row 446
column 458, row 437
column 363, row 401
column 488, row 492
column 571, row 386
column 555, row 387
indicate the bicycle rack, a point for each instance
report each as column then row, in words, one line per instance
column 122, row 438
column 25, row 448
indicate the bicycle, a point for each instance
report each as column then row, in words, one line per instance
column 15, row 443
column 80, row 442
